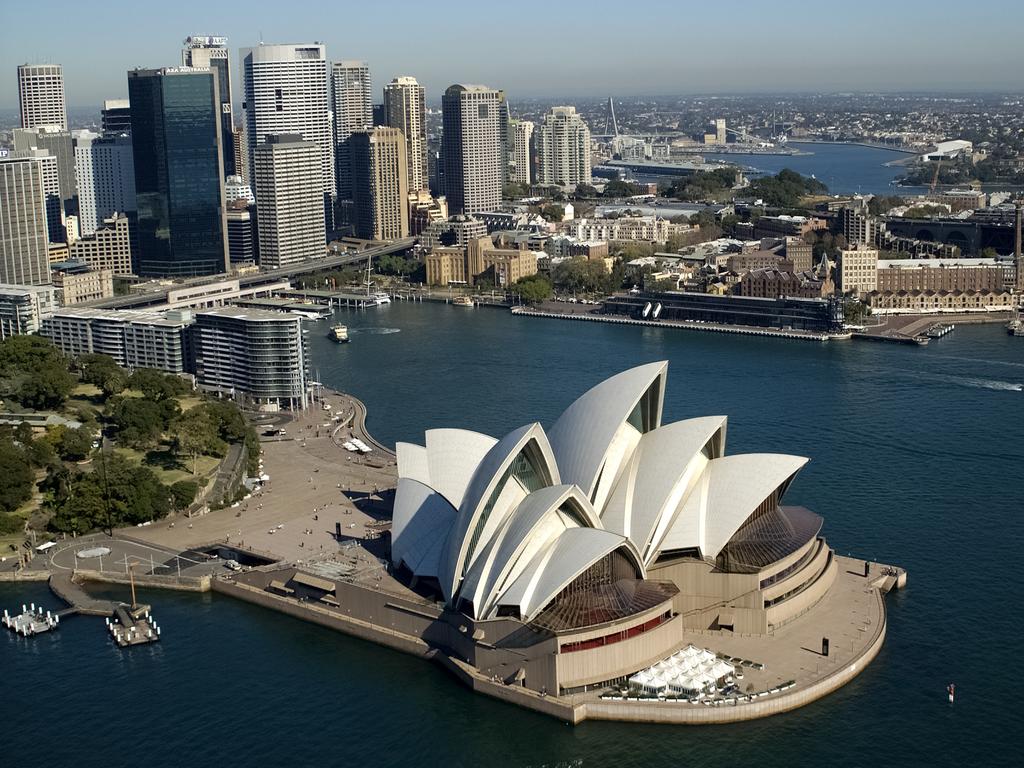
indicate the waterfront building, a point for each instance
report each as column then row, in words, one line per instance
column 479, row 259
column 108, row 247
column 74, row 285
column 24, row 307
column 290, row 210
column 60, row 145
column 932, row 301
column 41, row 96
column 916, row 275
column 521, row 153
column 116, row 117
column 772, row 282
column 858, row 270
column 134, row 338
column 563, row 149
column 353, row 111
column 405, row 109
column 105, row 169
column 286, row 91
column 255, row 356
column 472, row 152
column 577, row 555
column 242, row 234
column 380, row 183
column 179, row 187
column 23, row 218
column 207, row 52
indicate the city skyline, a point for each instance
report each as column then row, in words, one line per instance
column 704, row 52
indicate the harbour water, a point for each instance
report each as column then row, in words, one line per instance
column 916, row 457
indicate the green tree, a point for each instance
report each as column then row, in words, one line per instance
column 139, row 422
column 103, row 371
column 71, row 444
column 46, row 387
column 16, row 477
column 196, row 433
column 20, row 354
column 156, row 385
column 183, row 493
column 533, row 289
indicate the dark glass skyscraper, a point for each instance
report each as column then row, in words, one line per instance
column 176, row 144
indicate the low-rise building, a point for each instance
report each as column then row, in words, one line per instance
column 75, row 286
column 772, row 282
column 109, row 247
column 782, row 226
column 23, row 308
column 925, row 302
column 652, row 229
column 945, row 275
column 478, row 260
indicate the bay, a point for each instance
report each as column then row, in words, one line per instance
column 915, row 460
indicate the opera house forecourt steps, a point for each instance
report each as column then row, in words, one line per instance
column 610, row 567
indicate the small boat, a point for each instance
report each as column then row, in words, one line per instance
column 462, row 301
column 338, row 333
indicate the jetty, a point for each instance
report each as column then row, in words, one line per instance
column 31, row 621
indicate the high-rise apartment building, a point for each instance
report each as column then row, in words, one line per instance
column 179, row 186
column 206, row 52
column 405, row 109
column 286, row 91
column 289, row 202
column 380, row 183
column 521, row 153
column 23, row 308
column 241, row 151
column 472, row 153
column 23, row 219
column 41, row 96
column 106, row 179
column 563, row 149
column 353, row 111
column 251, row 354
column 116, row 117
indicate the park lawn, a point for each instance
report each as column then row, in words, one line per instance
column 188, row 402
column 167, row 469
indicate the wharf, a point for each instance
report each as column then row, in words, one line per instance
column 133, row 625
column 742, row 330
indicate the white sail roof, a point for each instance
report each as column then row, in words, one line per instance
column 582, row 435
column 422, row 521
column 730, row 490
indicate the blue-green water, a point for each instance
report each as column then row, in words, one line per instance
column 916, row 459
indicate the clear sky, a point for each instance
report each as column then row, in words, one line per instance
column 548, row 47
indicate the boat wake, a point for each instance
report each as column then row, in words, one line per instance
column 375, row 331
column 974, row 383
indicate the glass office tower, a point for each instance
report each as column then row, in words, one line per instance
column 176, row 144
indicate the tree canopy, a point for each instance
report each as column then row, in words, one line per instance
column 786, row 189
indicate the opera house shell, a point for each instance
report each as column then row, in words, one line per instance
column 575, row 555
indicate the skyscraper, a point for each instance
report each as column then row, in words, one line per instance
column 380, row 183
column 205, row 52
column 60, row 146
column 405, row 109
column 179, row 188
column 41, row 96
column 23, row 219
column 289, row 203
column 472, row 156
column 353, row 110
column 286, row 92
column 116, row 117
column 521, row 153
column 563, row 148
column 106, row 179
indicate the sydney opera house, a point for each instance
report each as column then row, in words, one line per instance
column 577, row 555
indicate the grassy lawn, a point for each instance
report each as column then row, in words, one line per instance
column 165, row 464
